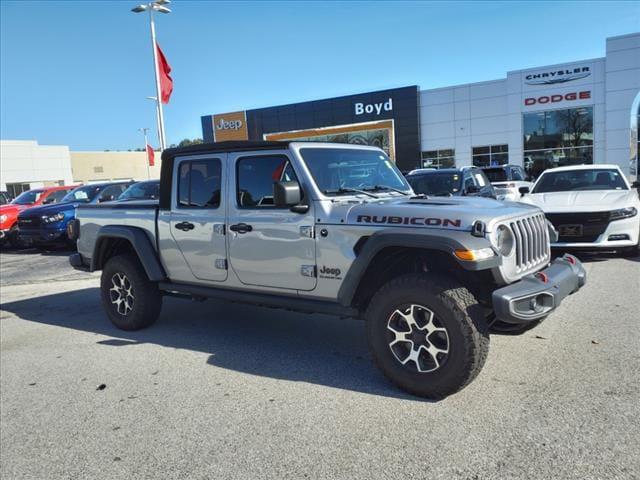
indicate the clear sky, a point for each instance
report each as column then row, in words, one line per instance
column 77, row 73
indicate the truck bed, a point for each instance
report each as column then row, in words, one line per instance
column 138, row 213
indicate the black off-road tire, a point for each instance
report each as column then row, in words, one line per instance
column 146, row 303
column 455, row 308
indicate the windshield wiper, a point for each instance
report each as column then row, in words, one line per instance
column 387, row 187
column 348, row 190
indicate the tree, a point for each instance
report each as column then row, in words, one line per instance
column 187, row 142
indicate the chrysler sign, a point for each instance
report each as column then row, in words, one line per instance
column 553, row 77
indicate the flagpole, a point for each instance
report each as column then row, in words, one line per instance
column 161, row 133
column 146, row 152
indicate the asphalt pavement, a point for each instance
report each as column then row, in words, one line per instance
column 224, row 391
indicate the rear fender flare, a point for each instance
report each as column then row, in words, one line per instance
column 140, row 243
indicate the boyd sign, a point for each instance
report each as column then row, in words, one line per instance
column 557, row 98
column 378, row 108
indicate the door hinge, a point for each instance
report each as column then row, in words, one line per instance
column 221, row 263
column 307, row 231
column 308, row 270
column 218, row 228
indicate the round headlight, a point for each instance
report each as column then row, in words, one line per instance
column 504, row 240
column 3, row 218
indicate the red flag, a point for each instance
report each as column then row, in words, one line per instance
column 166, row 82
column 150, row 155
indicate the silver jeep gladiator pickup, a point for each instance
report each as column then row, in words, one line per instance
column 332, row 229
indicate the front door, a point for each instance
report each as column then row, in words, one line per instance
column 268, row 246
column 197, row 219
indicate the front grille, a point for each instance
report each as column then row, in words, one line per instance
column 28, row 222
column 592, row 225
column 532, row 241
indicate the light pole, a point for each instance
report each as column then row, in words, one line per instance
column 146, row 152
column 156, row 6
column 155, row 99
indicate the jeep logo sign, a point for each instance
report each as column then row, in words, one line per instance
column 377, row 108
column 230, row 126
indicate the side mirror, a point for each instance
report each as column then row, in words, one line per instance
column 107, row 198
column 636, row 184
column 48, row 200
column 523, row 191
column 286, row 194
column 472, row 190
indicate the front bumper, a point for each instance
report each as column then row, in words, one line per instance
column 38, row 236
column 539, row 294
column 4, row 234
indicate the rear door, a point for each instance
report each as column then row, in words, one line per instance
column 268, row 246
column 197, row 219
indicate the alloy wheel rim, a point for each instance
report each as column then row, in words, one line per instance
column 417, row 338
column 121, row 293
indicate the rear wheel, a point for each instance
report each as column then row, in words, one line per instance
column 130, row 299
column 428, row 334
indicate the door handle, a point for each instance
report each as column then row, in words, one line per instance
column 241, row 228
column 185, row 226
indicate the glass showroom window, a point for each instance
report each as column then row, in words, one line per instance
column 490, row 156
column 439, row 158
column 556, row 138
column 16, row 189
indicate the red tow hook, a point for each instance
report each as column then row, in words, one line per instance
column 542, row 277
column 571, row 259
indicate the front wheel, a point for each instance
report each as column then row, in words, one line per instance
column 428, row 334
column 130, row 299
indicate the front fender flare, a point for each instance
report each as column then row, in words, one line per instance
column 140, row 243
column 445, row 241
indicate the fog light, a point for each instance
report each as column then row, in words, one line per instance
column 622, row 236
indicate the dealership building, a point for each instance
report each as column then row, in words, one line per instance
column 584, row 111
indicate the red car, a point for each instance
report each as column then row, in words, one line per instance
column 31, row 198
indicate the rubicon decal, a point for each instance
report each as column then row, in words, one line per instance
column 420, row 221
column 557, row 76
column 569, row 97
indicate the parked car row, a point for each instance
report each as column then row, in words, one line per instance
column 592, row 207
column 40, row 216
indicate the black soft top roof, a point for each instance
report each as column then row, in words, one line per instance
column 169, row 155
column 230, row 146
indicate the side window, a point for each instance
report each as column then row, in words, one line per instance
column 56, row 196
column 199, row 183
column 517, row 174
column 256, row 176
column 111, row 192
column 468, row 180
column 480, row 178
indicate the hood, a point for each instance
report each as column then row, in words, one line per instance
column 455, row 213
column 581, row 201
column 12, row 209
column 50, row 209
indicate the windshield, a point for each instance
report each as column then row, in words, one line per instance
column 572, row 180
column 437, row 183
column 141, row 191
column 28, row 198
column 495, row 174
column 338, row 169
column 82, row 194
